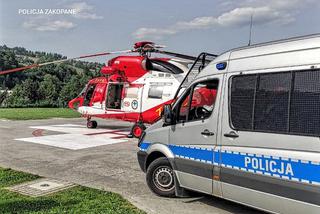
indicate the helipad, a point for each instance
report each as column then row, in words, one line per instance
column 76, row 137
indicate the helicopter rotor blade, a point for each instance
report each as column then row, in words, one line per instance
column 103, row 54
column 18, row 69
column 183, row 56
column 62, row 60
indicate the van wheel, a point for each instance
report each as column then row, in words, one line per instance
column 92, row 124
column 160, row 178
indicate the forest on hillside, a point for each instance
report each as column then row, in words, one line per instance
column 48, row 86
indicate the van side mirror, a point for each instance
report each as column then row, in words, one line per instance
column 168, row 115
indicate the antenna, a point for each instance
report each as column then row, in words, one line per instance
column 250, row 32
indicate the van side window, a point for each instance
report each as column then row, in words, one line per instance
column 201, row 105
column 305, row 103
column 242, row 101
column 271, row 105
column 184, row 108
column 286, row 102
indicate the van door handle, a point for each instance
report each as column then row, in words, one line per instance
column 231, row 134
column 206, row 132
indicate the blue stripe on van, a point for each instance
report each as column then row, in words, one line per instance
column 193, row 153
column 284, row 168
column 144, row 146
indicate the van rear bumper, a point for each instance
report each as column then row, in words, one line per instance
column 142, row 156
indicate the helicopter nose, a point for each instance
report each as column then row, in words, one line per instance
column 75, row 103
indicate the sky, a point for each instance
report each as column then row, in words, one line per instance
column 184, row 26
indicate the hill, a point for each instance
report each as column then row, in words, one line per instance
column 47, row 86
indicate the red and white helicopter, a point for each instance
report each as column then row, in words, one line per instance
column 133, row 88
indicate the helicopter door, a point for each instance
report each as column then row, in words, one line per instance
column 98, row 95
column 114, row 96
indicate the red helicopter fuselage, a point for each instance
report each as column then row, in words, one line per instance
column 132, row 88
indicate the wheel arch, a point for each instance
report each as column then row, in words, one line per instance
column 156, row 151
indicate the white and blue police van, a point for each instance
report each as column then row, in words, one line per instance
column 246, row 129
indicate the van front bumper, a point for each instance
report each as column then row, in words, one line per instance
column 142, row 156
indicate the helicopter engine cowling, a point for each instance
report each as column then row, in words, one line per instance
column 108, row 70
column 129, row 66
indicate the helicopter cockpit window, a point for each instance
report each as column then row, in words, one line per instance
column 198, row 103
column 155, row 92
column 162, row 66
column 89, row 94
column 83, row 91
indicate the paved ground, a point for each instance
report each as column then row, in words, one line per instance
column 111, row 167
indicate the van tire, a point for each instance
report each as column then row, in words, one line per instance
column 160, row 177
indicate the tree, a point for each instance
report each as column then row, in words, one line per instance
column 8, row 61
column 48, row 90
column 3, row 96
column 70, row 90
column 17, row 99
column 52, row 85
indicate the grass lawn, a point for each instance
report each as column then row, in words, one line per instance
column 36, row 113
column 74, row 200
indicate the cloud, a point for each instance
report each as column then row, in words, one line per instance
column 276, row 4
column 271, row 12
column 262, row 15
column 155, row 33
column 48, row 25
column 84, row 11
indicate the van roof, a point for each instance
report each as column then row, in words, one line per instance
column 280, row 53
column 279, row 41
